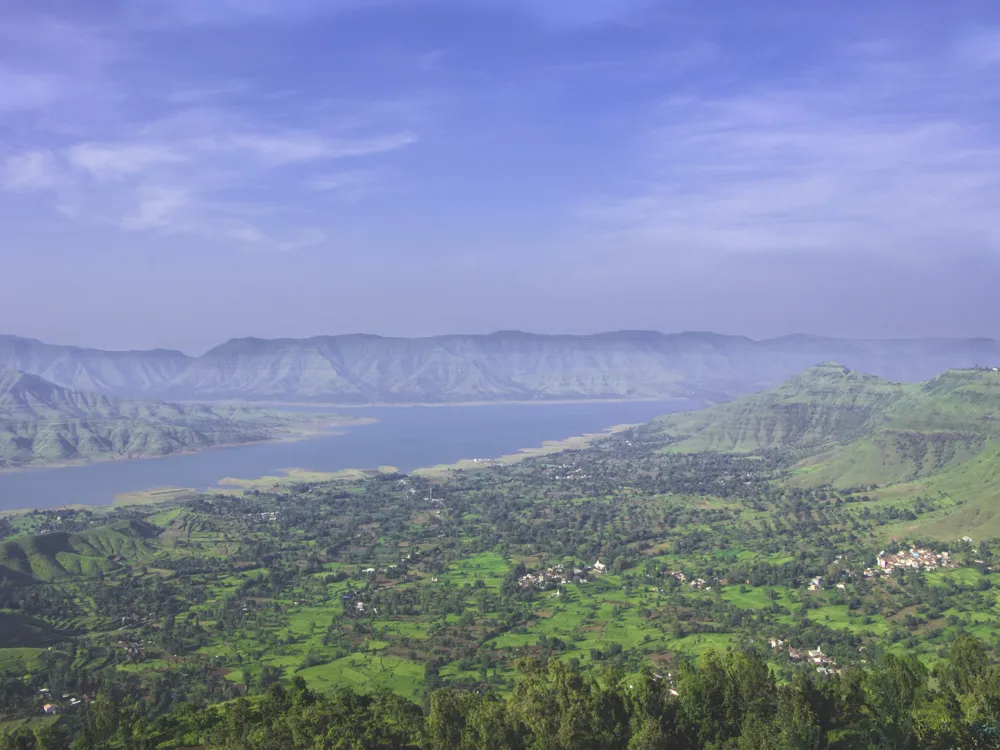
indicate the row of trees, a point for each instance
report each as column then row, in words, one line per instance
column 729, row 702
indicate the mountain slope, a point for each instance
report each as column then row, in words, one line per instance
column 826, row 406
column 48, row 557
column 845, row 428
column 836, row 427
column 117, row 373
column 505, row 366
column 42, row 421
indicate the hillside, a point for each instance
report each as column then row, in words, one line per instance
column 41, row 421
column 841, row 428
column 504, row 366
column 48, row 557
column 825, row 406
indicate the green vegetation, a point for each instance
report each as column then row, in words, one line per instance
column 705, row 580
column 839, row 428
column 42, row 422
column 92, row 552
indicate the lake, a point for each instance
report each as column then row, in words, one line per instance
column 405, row 437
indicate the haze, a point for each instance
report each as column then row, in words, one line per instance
column 178, row 173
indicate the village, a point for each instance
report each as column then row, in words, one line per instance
column 695, row 583
column 915, row 558
column 558, row 574
column 824, row 664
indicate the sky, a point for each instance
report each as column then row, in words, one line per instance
column 175, row 173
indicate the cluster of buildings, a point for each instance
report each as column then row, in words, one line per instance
column 558, row 574
column 135, row 649
column 815, row 584
column 492, row 462
column 52, row 705
column 824, row 664
column 370, row 571
column 264, row 517
column 576, row 473
column 695, row 583
column 406, row 561
column 915, row 558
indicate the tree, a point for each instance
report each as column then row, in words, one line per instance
column 968, row 663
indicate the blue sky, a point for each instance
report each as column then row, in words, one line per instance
column 178, row 172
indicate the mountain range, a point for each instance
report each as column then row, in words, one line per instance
column 41, row 421
column 504, row 366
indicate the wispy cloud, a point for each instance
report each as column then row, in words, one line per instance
column 886, row 153
column 157, row 207
column 350, row 185
column 95, row 116
column 178, row 179
column 113, row 161
column 33, row 170
column 207, row 161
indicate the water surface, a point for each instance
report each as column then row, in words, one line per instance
column 405, row 437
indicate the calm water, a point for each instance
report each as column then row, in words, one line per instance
column 408, row 438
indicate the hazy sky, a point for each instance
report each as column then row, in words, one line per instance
column 179, row 172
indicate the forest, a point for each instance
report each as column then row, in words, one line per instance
column 726, row 701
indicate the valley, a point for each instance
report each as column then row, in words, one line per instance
column 734, row 532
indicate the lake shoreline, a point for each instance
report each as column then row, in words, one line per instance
column 425, row 441
column 297, row 475
column 547, row 448
column 290, row 435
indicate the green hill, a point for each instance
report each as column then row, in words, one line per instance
column 41, row 421
column 48, row 557
column 841, row 428
column 826, row 406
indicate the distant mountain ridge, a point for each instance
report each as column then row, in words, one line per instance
column 503, row 366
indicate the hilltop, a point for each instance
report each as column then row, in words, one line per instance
column 827, row 405
column 503, row 366
column 41, row 421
